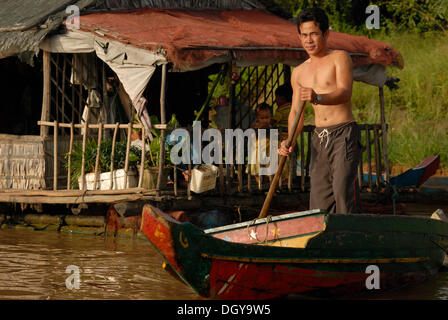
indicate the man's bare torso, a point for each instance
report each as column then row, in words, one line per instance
column 321, row 75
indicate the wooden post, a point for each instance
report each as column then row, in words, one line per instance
column 384, row 134
column 105, row 96
column 46, row 96
column 231, row 96
column 69, row 166
column 162, row 133
column 114, row 138
column 98, row 153
column 189, row 182
column 126, row 161
column 83, row 158
column 377, row 157
column 240, row 178
column 55, row 156
column 142, row 159
column 249, row 178
column 368, row 156
column 63, row 90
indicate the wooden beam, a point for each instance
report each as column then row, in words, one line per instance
column 46, row 96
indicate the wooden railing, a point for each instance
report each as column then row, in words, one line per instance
column 232, row 178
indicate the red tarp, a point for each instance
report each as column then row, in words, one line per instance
column 175, row 30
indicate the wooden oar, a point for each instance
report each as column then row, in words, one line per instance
column 267, row 201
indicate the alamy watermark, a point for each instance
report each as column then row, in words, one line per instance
column 72, row 21
column 373, row 20
column 73, row 281
column 187, row 150
column 373, row 281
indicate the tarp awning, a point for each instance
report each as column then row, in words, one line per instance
column 193, row 39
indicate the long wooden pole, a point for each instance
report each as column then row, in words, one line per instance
column 274, row 182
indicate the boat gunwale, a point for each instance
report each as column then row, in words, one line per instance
column 282, row 217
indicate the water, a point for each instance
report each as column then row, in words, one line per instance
column 33, row 266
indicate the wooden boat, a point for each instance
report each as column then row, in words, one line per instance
column 298, row 253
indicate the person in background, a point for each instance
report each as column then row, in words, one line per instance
column 263, row 117
column 263, row 121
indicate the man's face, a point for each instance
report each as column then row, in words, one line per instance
column 313, row 40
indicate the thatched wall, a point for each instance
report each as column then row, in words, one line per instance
column 22, row 162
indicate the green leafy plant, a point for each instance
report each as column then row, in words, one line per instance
column 105, row 158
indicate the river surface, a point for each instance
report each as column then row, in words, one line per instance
column 33, row 265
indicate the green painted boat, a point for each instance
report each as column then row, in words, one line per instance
column 299, row 253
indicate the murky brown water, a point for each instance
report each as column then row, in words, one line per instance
column 33, row 266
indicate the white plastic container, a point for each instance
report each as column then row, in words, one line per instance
column 203, row 178
column 104, row 180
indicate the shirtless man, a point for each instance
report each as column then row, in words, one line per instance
column 325, row 80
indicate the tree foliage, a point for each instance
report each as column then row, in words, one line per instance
column 395, row 15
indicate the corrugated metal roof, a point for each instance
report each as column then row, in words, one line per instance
column 22, row 15
column 25, row 23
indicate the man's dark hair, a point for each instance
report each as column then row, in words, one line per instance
column 313, row 14
column 284, row 91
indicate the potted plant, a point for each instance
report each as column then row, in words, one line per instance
column 104, row 165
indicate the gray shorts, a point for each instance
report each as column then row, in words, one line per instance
column 335, row 157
